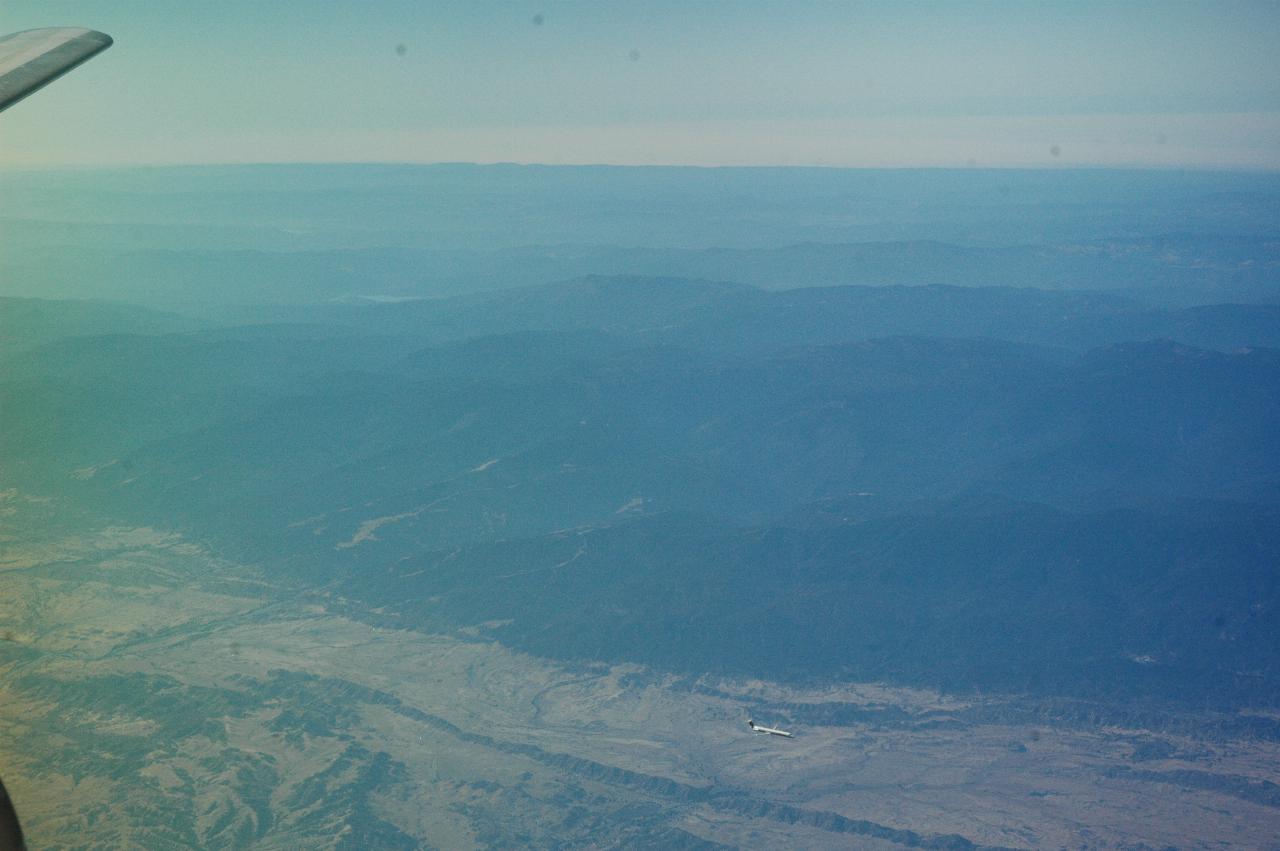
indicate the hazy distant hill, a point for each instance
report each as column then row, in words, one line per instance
column 215, row 237
column 1169, row 269
column 729, row 317
column 961, row 428
column 949, row 486
column 29, row 323
column 460, row 206
column 579, row 438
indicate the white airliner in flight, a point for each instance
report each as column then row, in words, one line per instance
column 773, row 731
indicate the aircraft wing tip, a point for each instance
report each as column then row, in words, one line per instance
column 32, row 58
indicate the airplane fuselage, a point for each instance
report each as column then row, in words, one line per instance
column 773, row 731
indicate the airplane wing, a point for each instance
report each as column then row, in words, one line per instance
column 33, row 58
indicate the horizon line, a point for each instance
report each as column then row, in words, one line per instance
column 1043, row 167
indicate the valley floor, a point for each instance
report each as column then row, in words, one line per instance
column 154, row 696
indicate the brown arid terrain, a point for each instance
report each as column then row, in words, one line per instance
column 152, row 695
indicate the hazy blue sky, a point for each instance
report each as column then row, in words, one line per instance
column 659, row 82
